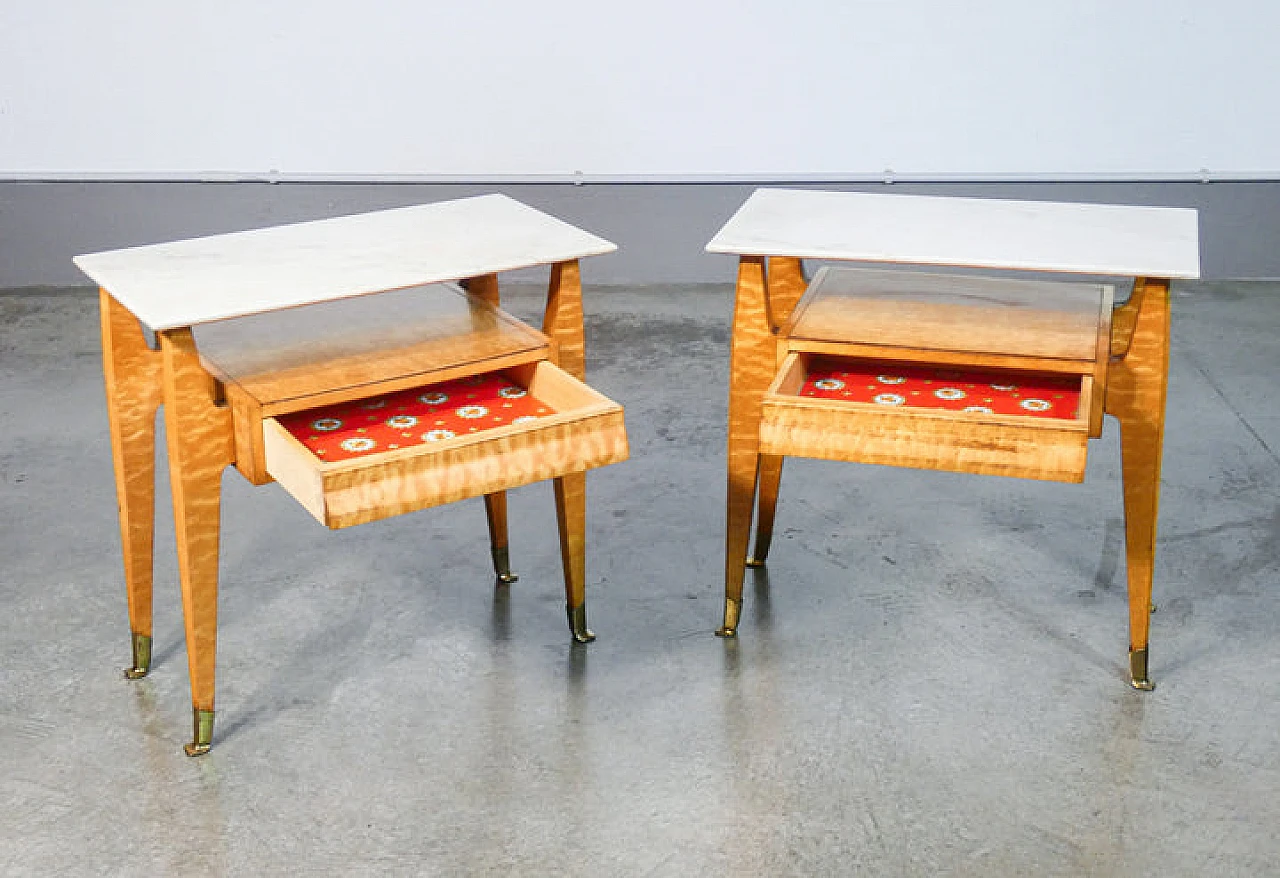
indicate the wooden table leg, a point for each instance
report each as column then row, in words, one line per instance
column 752, row 364
column 495, row 508
column 767, row 505
column 132, row 374
column 495, row 505
column 563, row 322
column 1136, row 397
column 199, row 434
column 786, row 285
column 571, row 515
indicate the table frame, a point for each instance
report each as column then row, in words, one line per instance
column 200, row 428
column 768, row 289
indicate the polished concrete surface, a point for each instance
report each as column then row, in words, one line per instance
column 930, row 676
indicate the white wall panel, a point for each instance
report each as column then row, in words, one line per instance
column 659, row 89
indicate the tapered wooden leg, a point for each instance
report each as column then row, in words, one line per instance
column 770, row 479
column 199, row 435
column 563, row 318
column 751, row 367
column 485, row 286
column 787, row 284
column 495, row 508
column 563, row 323
column 1136, row 397
column 132, row 374
column 571, row 515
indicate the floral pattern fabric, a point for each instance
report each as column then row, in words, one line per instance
column 958, row 389
column 413, row 417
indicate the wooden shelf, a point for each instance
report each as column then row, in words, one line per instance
column 950, row 312
column 327, row 348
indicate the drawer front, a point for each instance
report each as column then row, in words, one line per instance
column 1052, row 448
column 585, row 430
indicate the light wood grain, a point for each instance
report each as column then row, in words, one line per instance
column 246, row 422
column 1101, row 363
column 921, row 311
column 1008, row 445
column 787, row 285
column 587, row 431
column 751, row 368
column 571, row 518
column 769, row 482
column 201, row 443
column 935, row 357
column 562, row 320
column 1136, row 397
column 495, row 513
column 326, row 354
column 485, row 287
column 361, row 343
column 1125, row 317
column 132, row 373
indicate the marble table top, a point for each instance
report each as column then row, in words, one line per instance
column 1099, row 239
column 184, row 283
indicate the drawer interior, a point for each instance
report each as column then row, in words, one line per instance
column 418, row 416
column 983, row 420
column 371, row 458
column 943, row 388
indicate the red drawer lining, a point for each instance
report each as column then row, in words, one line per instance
column 413, row 417
column 943, row 387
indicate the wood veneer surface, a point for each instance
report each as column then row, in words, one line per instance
column 922, row 311
column 352, row 342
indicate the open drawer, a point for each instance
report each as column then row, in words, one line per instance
column 975, row 420
column 369, row 459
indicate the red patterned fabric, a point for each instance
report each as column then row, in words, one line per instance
column 413, row 417
column 944, row 387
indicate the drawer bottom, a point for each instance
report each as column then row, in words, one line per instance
column 419, row 416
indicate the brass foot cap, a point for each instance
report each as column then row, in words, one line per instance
column 732, row 612
column 755, row 562
column 1138, row 665
column 141, row 657
column 502, row 564
column 202, row 734
column 578, row 624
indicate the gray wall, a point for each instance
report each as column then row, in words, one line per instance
column 660, row 228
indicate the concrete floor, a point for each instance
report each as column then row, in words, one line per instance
column 930, row 677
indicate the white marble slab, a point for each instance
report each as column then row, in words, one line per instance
column 987, row 233
column 195, row 281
